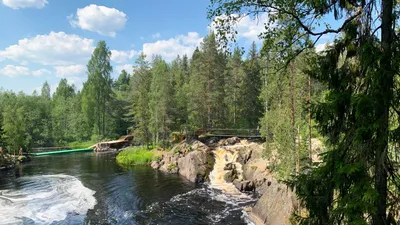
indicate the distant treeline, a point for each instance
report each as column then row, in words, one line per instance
column 211, row 89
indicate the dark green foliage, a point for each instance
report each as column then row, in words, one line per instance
column 358, row 115
column 250, row 104
column 140, row 86
column 207, row 86
column 209, row 90
column 97, row 92
column 161, row 101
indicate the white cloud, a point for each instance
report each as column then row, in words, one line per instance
column 103, row 20
column 40, row 72
column 169, row 49
column 247, row 27
column 122, row 56
column 127, row 67
column 19, row 4
column 156, row 35
column 16, row 71
column 322, row 46
column 55, row 48
column 70, row 71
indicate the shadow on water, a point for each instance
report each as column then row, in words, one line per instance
column 138, row 195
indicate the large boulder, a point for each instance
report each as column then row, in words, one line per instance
column 198, row 145
column 244, row 186
column 189, row 160
column 228, row 141
column 195, row 165
column 168, row 162
column 276, row 205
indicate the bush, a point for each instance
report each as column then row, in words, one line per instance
column 135, row 156
column 172, row 166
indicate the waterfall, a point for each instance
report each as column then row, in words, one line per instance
column 223, row 160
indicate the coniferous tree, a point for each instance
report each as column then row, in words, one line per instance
column 62, row 111
column 234, row 79
column 97, row 91
column 45, row 106
column 161, row 99
column 250, row 106
column 140, row 86
column 206, row 88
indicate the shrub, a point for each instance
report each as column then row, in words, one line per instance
column 171, row 166
column 135, row 156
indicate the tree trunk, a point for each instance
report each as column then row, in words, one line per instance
column 104, row 115
column 98, row 113
column 384, row 95
column 293, row 116
column 309, row 119
column 234, row 106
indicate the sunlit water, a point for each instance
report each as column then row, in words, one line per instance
column 83, row 188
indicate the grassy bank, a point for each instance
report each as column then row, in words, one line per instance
column 80, row 144
column 135, row 156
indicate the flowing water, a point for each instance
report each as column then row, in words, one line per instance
column 85, row 188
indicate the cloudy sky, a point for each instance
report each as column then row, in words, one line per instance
column 46, row 40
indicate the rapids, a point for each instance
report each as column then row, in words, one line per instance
column 86, row 188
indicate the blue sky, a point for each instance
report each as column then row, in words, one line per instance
column 46, row 40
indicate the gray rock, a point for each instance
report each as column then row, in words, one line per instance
column 168, row 162
column 245, row 185
column 232, row 140
column 155, row 165
column 193, row 166
column 231, row 175
column 197, row 145
column 276, row 205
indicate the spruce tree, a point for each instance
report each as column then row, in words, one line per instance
column 140, row 86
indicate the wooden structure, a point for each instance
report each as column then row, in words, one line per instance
column 115, row 145
column 226, row 133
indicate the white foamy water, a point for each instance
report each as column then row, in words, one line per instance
column 45, row 199
column 217, row 175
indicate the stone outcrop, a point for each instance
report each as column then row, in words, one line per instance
column 250, row 174
column 277, row 201
column 189, row 160
column 193, row 165
column 275, row 206
column 6, row 161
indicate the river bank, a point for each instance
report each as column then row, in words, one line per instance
column 61, row 189
column 8, row 161
column 237, row 168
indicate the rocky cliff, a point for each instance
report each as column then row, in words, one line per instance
column 239, row 162
column 192, row 160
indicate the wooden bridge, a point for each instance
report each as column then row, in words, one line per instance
column 99, row 147
column 112, row 145
column 226, row 133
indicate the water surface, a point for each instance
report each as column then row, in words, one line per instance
column 85, row 188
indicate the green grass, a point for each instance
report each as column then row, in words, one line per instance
column 82, row 144
column 135, row 156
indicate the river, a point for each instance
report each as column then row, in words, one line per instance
column 85, row 188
